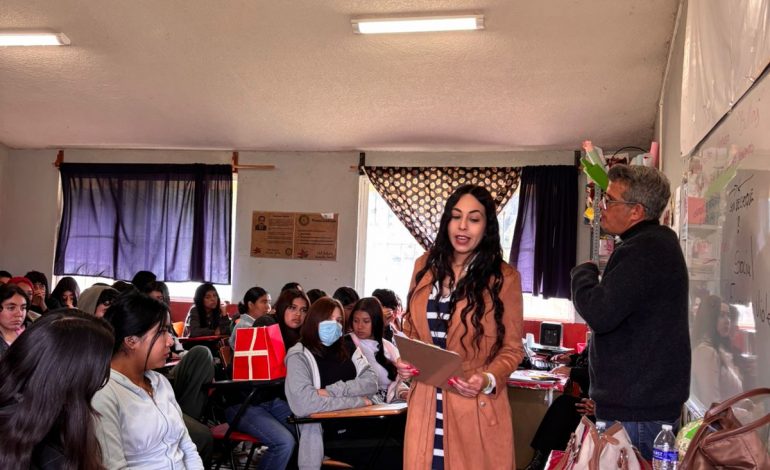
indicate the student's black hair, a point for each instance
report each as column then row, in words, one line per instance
column 134, row 314
column 251, row 295
column 66, row 284
column 203, row 315
column 36, row 277
column 49, row 375
column 158, row 286
column 4, row 273
column 123, row 286
column 483, row 271
column 107, row 295
column 346, row 296
column 315, row 294
column 372, row 307
column 9, row 290
column 142, row 278
column 292, row 285
column 387, row 298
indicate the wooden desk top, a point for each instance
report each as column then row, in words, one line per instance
column 372, row 410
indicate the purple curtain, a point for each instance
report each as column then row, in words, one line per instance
column 545, row 237
column 173, row 220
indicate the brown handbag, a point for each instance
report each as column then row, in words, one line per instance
column 723, row 442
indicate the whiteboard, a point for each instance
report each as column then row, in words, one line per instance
column 725, row 233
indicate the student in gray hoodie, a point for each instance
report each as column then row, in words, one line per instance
column 325, row 372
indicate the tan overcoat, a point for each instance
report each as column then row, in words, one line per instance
column 478, row 432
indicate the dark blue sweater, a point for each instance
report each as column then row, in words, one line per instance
column 640, row 350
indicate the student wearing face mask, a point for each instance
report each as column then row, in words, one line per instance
column 325, row 372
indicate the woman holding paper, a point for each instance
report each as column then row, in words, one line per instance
column 463, row 297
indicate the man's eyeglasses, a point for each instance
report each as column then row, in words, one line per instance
column 606, row 201
column 13, row 308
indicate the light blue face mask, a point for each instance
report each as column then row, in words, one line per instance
column 329, row 331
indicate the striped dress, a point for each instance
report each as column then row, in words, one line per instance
column 438, row 319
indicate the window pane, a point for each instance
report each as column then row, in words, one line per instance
column 391, row 252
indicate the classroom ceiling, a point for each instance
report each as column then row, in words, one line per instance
column 291, row 75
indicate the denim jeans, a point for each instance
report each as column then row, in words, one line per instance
column 267, row 422
column 643, row 433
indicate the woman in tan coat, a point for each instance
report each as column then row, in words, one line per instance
column 466, row 299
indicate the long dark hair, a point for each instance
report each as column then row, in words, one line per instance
column 251, row 295
column 322, row 310
column 372, row 307
column 483, row 271
column 66, row 284
column 706, row 321
column 203, row 315
column 134, row 314
column 290, row 335
column 50, row 373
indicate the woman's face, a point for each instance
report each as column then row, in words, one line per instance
column 68, row 298
column 295, row 313
column 467, row 225
column 362, row 324
column 723, row 322
column 159, row 351
column 260, row 307
column 211, row 300
column 14, row 310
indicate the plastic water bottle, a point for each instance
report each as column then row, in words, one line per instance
column 664, row 453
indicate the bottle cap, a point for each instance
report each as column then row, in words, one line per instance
column 666, row 427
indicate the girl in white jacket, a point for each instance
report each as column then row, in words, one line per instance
column 325, row 372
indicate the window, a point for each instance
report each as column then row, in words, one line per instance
column 390, row 253
column 177, row 290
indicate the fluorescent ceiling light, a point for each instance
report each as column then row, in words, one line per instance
column 33, row 39
column 417, row 24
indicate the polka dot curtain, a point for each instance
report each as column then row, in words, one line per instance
column 417, row 194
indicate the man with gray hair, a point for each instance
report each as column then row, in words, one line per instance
column 639, row 360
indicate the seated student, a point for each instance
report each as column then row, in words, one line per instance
column 367, row 326
column 207, row 317
column 391, row 308
column 49, row 376
column 324, row 373
column 4, row 276
column 26, row 286
column 96, row 299
column 565, row 412
column 13, row 312
column 254, row 306
column 66, row 292
column 140, row 423
column 41, row 300
column 347, row 297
